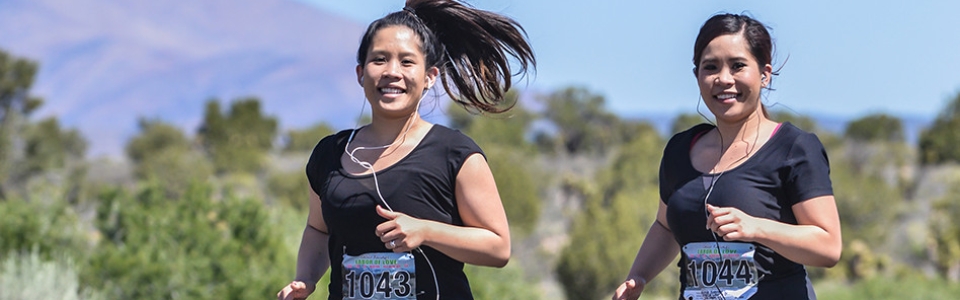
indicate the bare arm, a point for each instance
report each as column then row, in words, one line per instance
column 485, row 237
column 816, row 241
column 312, row 259
column 657, row 251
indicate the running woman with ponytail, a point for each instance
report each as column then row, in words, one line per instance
column 398, row 206
column 746, row 202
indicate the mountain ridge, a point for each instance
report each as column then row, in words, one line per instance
column 106, row 63
column 103, row 64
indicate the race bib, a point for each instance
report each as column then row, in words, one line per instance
column 379, row 276
column 723, row 270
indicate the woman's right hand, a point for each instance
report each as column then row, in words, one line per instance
column 296, row 290
column 630, row 289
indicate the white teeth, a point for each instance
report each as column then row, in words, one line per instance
column 726, row 96
column 391, row 90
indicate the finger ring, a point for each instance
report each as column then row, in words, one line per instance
column 392, row 244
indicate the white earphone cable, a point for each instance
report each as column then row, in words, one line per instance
column 373, row 172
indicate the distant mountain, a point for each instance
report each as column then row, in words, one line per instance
column 104, row 63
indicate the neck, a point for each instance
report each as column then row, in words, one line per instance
column 742, row 129
column 386, row 131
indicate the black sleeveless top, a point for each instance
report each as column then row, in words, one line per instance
column 790, row 168
column 420, row 185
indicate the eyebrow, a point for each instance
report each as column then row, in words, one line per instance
column 384, row 52
column 715, row 60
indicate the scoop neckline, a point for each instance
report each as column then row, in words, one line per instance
column 387, row 168
column 776, row 135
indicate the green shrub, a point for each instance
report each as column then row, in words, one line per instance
column 43, row 227
column 507, row 283
column 909, row 286
column 156, row 247
column 28, row 276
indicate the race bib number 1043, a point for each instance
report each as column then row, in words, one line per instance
column 379, row 276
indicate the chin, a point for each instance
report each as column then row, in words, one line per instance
column 729, row 115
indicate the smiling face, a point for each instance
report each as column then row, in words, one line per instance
column 394, row 74
column 731, row 79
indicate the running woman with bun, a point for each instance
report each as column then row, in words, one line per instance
column 746, row 202
column 398, row 206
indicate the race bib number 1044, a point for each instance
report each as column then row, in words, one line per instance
column 720, row 270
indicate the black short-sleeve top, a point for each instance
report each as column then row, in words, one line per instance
column 790, row 168
column 421, row 185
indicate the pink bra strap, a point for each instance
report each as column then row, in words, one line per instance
column 776, row 129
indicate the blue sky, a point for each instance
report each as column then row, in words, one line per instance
column 846, row 58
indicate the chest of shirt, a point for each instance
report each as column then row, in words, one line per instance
column 421, row 190
column 755, row 191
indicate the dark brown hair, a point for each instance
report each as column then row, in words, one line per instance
column 756, row 34
column 471, row 47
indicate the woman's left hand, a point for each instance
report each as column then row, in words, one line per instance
column 400, row 233
column 733, row 224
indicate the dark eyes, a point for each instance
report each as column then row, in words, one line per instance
column 381, row 59
column 712, row 67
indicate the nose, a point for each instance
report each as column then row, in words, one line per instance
column 392, row 70
column 725, row 77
